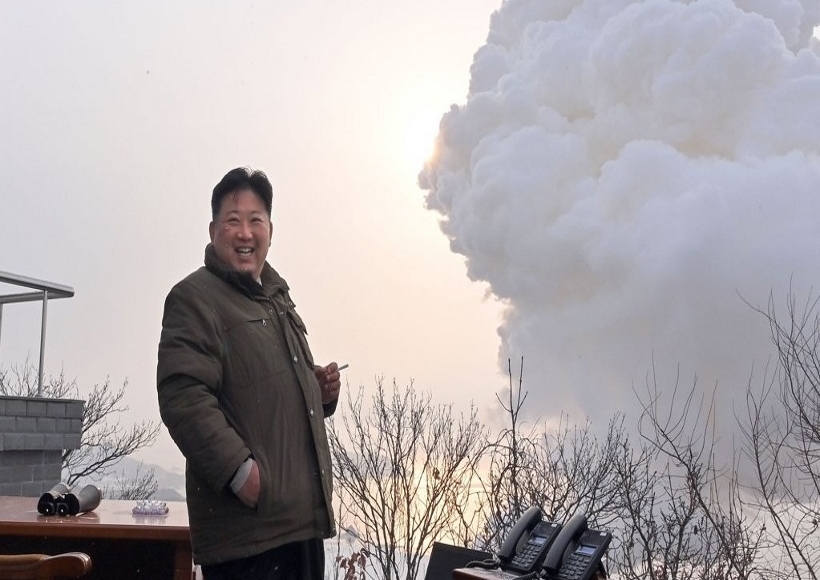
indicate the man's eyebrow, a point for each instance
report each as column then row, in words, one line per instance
column 236, row 213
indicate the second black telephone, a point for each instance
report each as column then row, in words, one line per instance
column 577, row 551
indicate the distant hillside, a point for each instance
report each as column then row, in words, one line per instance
column 171, row 483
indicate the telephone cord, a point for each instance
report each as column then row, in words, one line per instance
column 488, row 564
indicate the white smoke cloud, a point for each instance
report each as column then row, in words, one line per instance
column 624, row 175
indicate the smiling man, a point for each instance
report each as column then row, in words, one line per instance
column 241, row 397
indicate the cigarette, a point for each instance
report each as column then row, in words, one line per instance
column 343, row 367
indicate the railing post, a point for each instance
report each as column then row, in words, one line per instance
column 42, row 344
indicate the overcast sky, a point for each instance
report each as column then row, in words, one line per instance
column 611, row 177
column 118, row 118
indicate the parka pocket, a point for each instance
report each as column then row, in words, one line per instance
column 263, row 505
column 254, row 352
column 285, row 486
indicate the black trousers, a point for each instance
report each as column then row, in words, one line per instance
column 297, row 561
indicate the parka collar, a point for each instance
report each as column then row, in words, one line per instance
column 272, row 282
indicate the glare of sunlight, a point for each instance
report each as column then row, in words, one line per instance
column 419, row 134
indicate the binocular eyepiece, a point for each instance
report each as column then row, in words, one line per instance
column 47, row 505
column 63, row 502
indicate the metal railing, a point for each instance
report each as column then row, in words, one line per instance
column 42, row 291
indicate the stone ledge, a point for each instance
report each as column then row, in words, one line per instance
column 36, row 415
column 41, row 407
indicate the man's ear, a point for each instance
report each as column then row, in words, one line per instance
column 211, row 231
column 270, row 233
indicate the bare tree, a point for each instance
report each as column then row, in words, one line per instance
column 688, row 518
column 782, row 441
column 104, row 441
column 404, row 470
column 562, row 470
column 142, row 485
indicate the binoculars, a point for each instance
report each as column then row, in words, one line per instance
column 62, row 501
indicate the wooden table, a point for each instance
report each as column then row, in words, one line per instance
column 122, row 546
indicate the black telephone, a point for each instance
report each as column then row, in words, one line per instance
column 577, row 551
column 528, row 557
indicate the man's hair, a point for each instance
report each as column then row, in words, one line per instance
column 242, row 178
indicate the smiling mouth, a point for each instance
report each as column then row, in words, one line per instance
column 244, row 251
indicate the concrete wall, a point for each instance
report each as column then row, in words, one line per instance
column 33, row 434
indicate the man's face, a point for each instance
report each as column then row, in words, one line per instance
column 241, row 233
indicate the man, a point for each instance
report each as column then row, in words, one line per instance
column 241, row 397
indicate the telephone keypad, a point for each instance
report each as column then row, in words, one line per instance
column 533, row 551
column 526, row 557
column 574, row 567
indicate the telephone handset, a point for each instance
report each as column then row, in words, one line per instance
column 528, row 557
column 577, row 551
column 524, row 524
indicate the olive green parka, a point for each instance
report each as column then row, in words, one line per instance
column 235, row 379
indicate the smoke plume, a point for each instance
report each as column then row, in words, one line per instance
column 628, row 178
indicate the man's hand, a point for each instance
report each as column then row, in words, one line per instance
column 329, row 382
column 249, row 492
